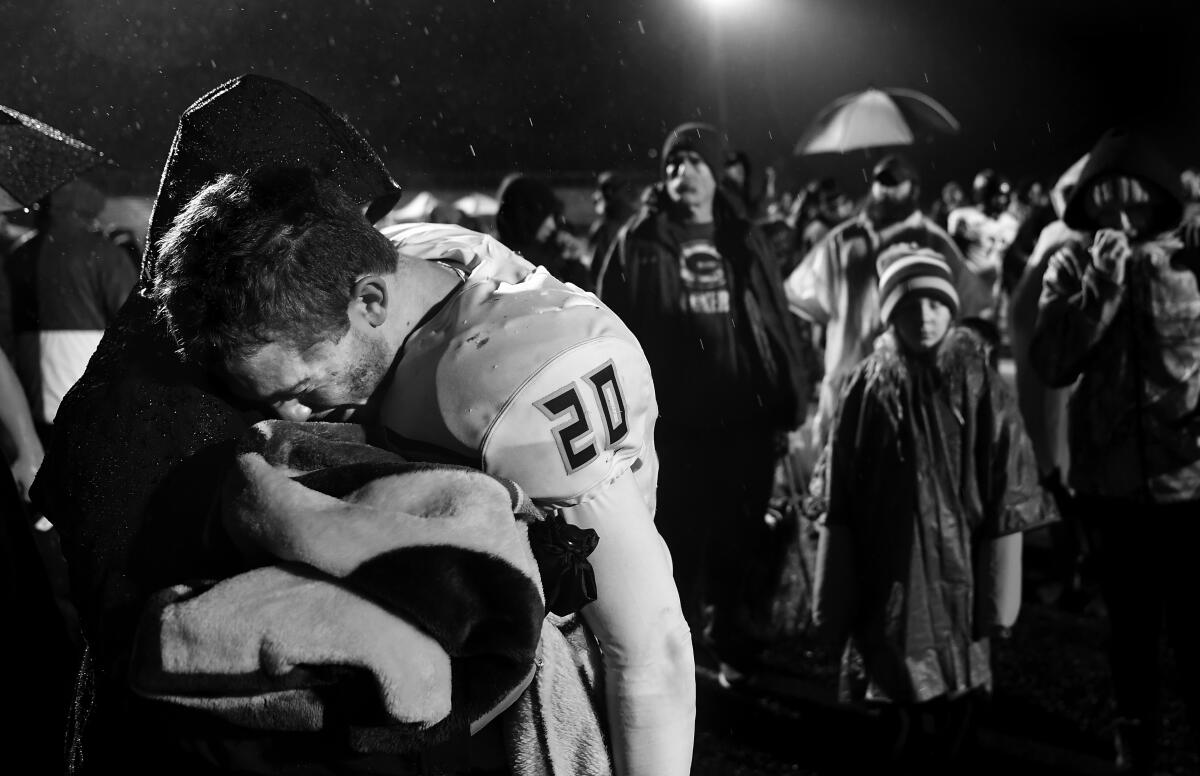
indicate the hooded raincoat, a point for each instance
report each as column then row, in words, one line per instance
column 1129, row 347
column 928, row 465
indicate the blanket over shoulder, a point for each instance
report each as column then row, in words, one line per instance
column 396, row 602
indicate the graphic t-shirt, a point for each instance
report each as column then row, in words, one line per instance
column 704, row 280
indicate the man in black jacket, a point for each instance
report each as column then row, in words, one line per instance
column 695, row 282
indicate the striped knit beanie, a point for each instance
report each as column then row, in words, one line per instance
column 909, row 268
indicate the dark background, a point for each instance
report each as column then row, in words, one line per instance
column 467, row 91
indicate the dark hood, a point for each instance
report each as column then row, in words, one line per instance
column 253, row 122
column 1121, row 152
column 525, row 202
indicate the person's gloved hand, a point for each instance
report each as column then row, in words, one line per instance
column 1110, row 251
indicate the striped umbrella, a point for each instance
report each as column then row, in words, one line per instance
column 873, row 118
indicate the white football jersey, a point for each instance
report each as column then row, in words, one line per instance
column 530, row 378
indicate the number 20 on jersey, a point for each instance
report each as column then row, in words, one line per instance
column 575, row 435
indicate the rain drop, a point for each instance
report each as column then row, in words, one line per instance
column 472, row 149
column 641, row 29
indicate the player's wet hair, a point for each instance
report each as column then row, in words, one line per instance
column 266, row 257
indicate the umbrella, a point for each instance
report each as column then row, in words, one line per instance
column 873, row 118
column 478, row 205
column 252, row 122
column 35, row 159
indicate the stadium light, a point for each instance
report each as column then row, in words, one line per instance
column 720, row 6
column 727, row 8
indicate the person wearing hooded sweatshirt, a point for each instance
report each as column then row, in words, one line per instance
column 530, row 221
column 1119, row 323
column 696, row 283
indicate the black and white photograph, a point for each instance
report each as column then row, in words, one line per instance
column 600, row 387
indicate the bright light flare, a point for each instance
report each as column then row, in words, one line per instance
column 722, row 6
column 733, row 9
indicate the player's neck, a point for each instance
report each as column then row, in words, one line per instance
column 421, row 288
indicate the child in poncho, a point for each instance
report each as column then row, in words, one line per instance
column 929, row 480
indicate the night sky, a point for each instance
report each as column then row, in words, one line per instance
column 466, row 91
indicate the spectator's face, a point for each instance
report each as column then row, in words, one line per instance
column 689, row 180
column 328, row 381
column 736, row 173
column 1190, row 179
column 891, row 203
column 845, row 207
column 827, row 205
column 1123, row 204
column 999, row 201
column 1038, row 195
column 953, row 195
column 547, row 229
column 920, row 322
column 896, row 192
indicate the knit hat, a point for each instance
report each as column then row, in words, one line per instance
column 704, row 139
column 909, row 269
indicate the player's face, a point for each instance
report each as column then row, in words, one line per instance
column 328, row 381
column 920, row 322
column 689, row 180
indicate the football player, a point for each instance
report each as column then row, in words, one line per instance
column 457, row 345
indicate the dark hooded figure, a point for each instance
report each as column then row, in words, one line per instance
column 1119, row 322
column 140, row 446
column 530, row 221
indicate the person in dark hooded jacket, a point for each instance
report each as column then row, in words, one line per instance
column 1120, row 323
column 140, row 447
column 530, row 221
column 697, row 284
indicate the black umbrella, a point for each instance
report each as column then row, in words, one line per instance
column 35, row 159
column 253, row 122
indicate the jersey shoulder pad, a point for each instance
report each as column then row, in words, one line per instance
column 579, row 421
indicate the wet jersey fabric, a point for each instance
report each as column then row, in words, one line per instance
column 927, row 461
column 527, row 377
